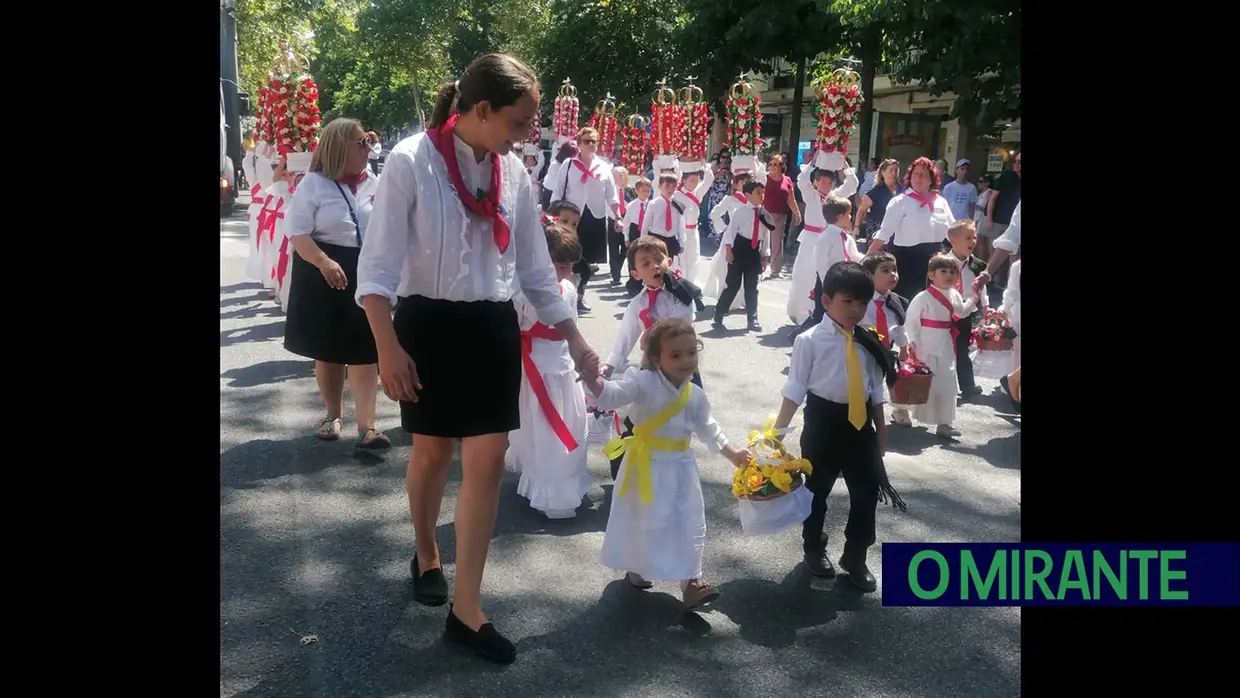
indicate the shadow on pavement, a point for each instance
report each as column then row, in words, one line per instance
column 253, row 333
column 1001, row 452
column 268, row 372
column 254, row 310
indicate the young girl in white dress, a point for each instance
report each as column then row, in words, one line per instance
column 279, row 200
column 657, row 527
column 262, row 181
column 549, row 450
column 930, row 326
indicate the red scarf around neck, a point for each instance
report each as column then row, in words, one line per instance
column 353, row 181
column 486, row 207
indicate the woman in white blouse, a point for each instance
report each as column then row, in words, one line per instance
column 586, row 181
column 326, row 225
column 454, row 235
column 915, row 227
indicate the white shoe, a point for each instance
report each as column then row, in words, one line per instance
column 899, row 417
column 947, row 430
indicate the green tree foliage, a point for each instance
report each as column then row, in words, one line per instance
column 970, row 48
column 260, row 26
column 617, row 46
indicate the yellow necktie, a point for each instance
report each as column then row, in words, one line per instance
column 856, row 388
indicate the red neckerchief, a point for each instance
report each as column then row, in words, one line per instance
column 754, row 241
column 488, row 206
column 586, row 174
column 644, row 315
column 927, row 200
column 696, row 201
column 740, row 197
column 353, row 181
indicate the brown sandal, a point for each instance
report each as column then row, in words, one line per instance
column 329, row 429
column 372, row 440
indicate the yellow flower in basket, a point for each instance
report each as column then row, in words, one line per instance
column 772, row 471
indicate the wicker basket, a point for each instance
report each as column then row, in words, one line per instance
column 913, row 389
column 994, row 344
column 797, row 481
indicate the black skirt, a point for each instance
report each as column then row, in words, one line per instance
column 468, row 356
column 325, row 324
column 593, row 234
column 913, row 263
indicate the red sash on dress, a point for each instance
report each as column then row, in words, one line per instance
column 541, row 331
column 943, row 324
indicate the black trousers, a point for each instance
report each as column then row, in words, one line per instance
column 964, row 366
column 616, row 250
column 583, row 270
column 834, row 447
column 746, row 269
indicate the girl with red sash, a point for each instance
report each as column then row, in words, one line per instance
column 931, row 328
column 453, row 234
column 549, row 450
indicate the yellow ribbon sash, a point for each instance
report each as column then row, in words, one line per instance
column 643, row 441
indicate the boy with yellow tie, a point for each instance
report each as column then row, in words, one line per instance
column 838, row 370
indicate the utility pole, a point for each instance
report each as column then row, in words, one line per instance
column 228, row 80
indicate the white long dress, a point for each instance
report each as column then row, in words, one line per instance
column 279, row 201
column 693, row 211
column 258, row 199
column 553, row 478
column 936, row 349
column 662, row 540
column 804, row 267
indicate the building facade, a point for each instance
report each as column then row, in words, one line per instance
column 908, row 123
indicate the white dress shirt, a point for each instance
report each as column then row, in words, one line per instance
column 1009, row 241
column 834, row 245
column 666, row 305
column 635, row 213
column 812, row 215
column 656, row 221
column 421, row 241
column 965, row 274
column 322, row 212
column 726, row 206
column 741, row 226
column 818, row 367
column 597, row 194
column 912, row 223
column 895, row 329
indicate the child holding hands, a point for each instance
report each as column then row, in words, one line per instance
column 932, row 328
column 838, row 370
column 656, row 530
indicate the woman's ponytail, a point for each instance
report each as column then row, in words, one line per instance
column 443, row 105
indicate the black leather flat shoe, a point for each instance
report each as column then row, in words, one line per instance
column 486, row 642
column 859, row 575
column 429, row 588
column 819, row 564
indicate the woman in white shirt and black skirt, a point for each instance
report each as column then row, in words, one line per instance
column 455, row 233
column 326, row 224
column 915, row 227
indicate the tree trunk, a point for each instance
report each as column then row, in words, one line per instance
column 871, row 50
column 417, row 106
column 798, row 105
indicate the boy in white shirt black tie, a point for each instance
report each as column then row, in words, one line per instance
column 747, row 244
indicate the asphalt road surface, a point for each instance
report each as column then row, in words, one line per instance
column 315, row 543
